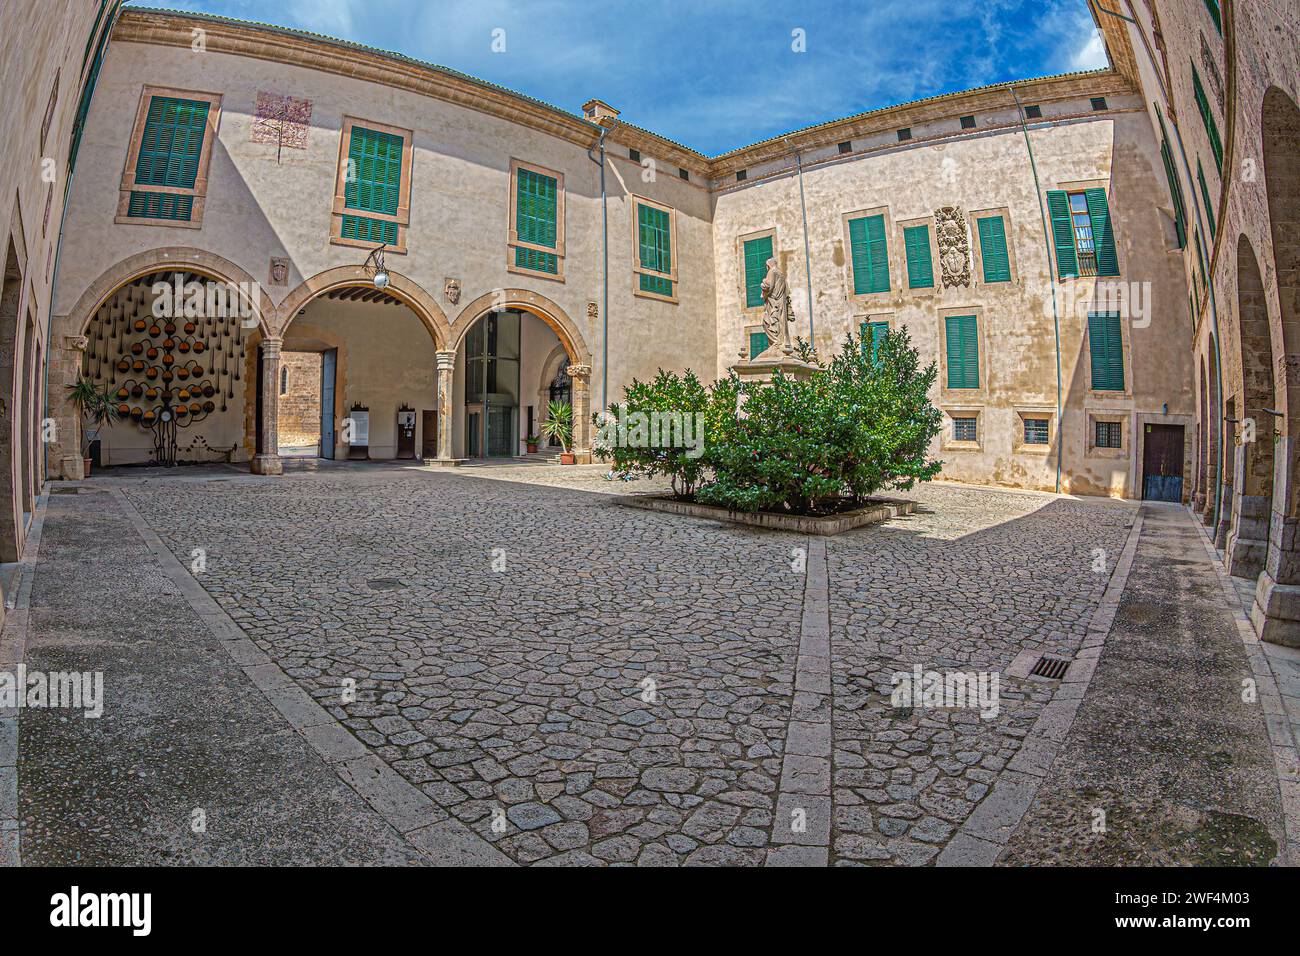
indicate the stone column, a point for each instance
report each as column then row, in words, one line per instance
column 1252, row 500
column 1276, row 611
column 581, row 378
column 267, row 460
column 446, row 386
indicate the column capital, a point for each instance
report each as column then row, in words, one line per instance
column 579, row 372
column 271, row 347
column 446, row 361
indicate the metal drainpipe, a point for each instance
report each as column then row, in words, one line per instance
column 1209, row 285
column 807, row 257
column 1051, row 278
column 604, row 278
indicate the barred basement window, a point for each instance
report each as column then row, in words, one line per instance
column 684, row 174
column 968, row 122
column 846, row 147
column 965, row 429
column 1109, row 434
column 1035, row 431
column 1098, row 103
column 905, row 134
column 634, row 155
column 740, row 175
column 1033, row 112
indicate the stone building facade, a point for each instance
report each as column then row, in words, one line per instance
column 50, row 56
column 1219, row 80
column 490, row 315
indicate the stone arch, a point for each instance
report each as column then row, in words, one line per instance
column 406, row 290
column 575, row 346
column 1252, row 485
column 167, row 259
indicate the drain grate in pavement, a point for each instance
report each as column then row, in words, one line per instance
column 385, row 584
column 1053, row 668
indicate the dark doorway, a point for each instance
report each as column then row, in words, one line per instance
column 1162, row 463
column 429, row 434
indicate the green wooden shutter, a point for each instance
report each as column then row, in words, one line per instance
column 873, row 335
column 1103, row 234
column 172, row 142
column 963, row 351
column 653, row 242
column 870, row 255
column 1207, row 118
column 536, row 199
column 758, row 343
column 374, row 184
column 920, row 267
column 993, row 249
column 1067, row 260
column 1176, row 194
column 1205, row 195
column 1106, row 348
column 757, row 252
column 1215, row 14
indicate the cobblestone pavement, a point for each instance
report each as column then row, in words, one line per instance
column 622, row 691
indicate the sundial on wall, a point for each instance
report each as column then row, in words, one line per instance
column 167, row 372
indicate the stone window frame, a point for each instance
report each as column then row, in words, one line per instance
column 869, row 299
column 673, row 248
column 957, row 410
column 513, row 241
column 936, row 267
column 339, row 209
column 981, row 330
column 199, row 192
column 1092, row 449
column 740, row 258
column 1078, row 186
column 977, row 253
column 1040, row 412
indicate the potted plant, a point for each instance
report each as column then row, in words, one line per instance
column 531, row 441
column 97, row 408
column 559, row 426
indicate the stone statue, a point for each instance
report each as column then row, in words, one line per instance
column 777, row 313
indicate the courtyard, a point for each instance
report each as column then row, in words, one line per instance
column 495, row 665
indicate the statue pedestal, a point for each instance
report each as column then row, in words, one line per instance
column 763, row 366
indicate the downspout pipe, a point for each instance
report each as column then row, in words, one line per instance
column 807, row 256
column 1051, row 278
column 604, row 270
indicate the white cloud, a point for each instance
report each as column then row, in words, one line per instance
column 1091, row 55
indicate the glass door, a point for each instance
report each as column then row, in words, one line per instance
column 492, row 386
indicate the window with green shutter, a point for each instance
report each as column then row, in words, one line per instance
column 1106, row 348
column 536, row 220
column 873, row 336
column 1175, row 190
column 870, row 255
column 373, row 184
column 757, row 343
column 993, row 249
column 654, row 247
column 756, row 252
column 1215, row 14
column 1207, row 118
column 1205, row 195
column 963, row 351
column 1082, row 233
column 171, row 147
column 920, row 265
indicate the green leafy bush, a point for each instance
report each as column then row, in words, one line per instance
column 658, row 429
column 802, row 445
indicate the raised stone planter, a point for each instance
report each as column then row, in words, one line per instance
column 876, row 511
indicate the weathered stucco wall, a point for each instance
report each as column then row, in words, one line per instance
column 984, row 171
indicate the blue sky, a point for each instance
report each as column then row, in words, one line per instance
column 712, row 74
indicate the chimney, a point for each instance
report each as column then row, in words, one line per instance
column 598, row 111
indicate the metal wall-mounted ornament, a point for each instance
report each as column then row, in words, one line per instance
column 163, row 369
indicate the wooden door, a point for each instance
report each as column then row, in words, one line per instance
column 429, row 434
column 1162, row 462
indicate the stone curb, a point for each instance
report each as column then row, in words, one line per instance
column 806, row 764
column 987, row 831
column 882, row 509
column 1275, row 702
column 13, row 650
column 424, row 825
